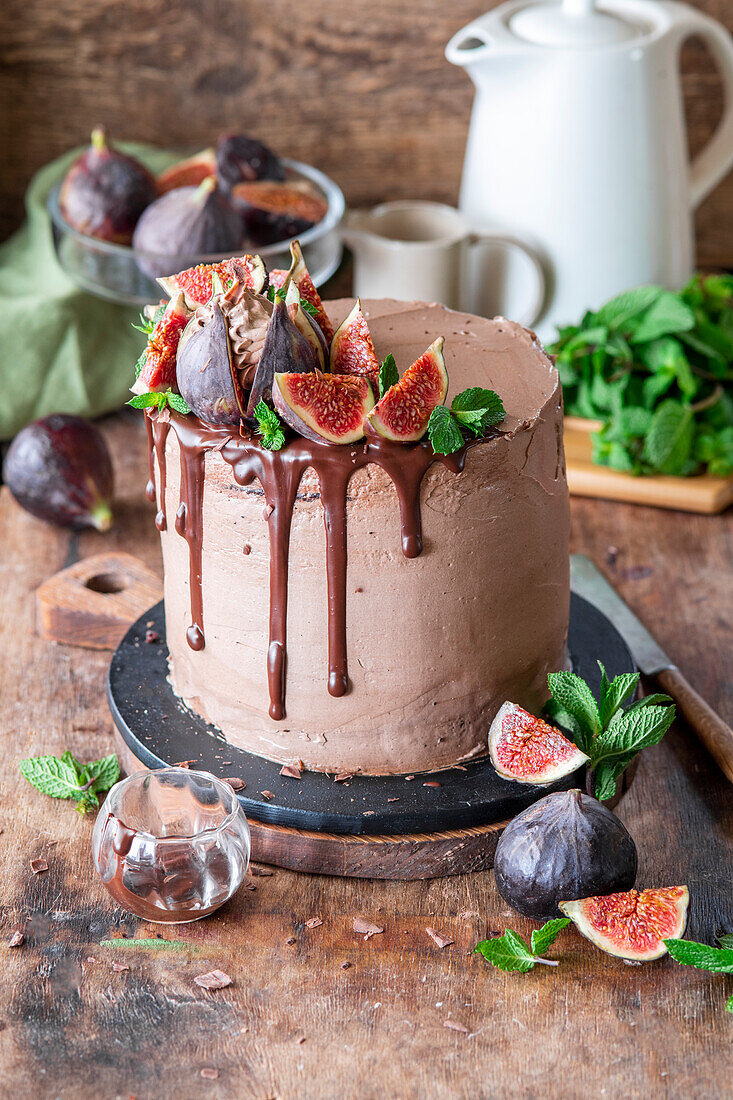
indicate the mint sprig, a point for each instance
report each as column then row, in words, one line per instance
column 474, row 410
column 159, row 401
column 511, row 952
column 388, row 374
column 148, row 322
column 606, row 730
column 269, row 427
column 719, row 960
column 66, row 777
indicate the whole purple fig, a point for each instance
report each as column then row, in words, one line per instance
column 186, row 223
column 59, row 469
column 242, row 159
column 105, row 192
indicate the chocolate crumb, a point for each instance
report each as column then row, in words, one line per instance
column 440, row 940
column 300, row 1039
column 209, row 1073
column 460, row 767
column 38, row 866
column 393, row 799
column 290, row 771
column 358, row 590
column 346, row 965
column 432, row 783
column 267, row 511
column 314, row 922
column 408, row 778
column 214, row 979
column 291, row 940
column 246, row 549
column 342, row 777
column 185, row 764
column 249, row 886
column 16, row 940
column 149, row 623
column 366, row 928
column 119, row 967
column 235, row 782
column 369, row 813
column 267, row 794
column 263, row 872
column 151, row 636
column 455, row 1026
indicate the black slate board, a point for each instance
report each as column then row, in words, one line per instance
column 159, row 730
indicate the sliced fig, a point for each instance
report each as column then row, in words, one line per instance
column 632, row 925
column 197, row 283
column 207, row 380
column 242, row 159
column 274, row 211
column 566, row 845
column 352, row 350
column 403, row 413
column 105, row 192
column 327, row 408
column 528, row 750
column 307, row 325
column 300, row 275
column 285, row 350
column 59, row 469
column 158, row 371
column 190, row 221
column 187, row 173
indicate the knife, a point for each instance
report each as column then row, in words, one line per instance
column 588, row 581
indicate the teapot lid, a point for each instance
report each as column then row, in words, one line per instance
column 571, row 23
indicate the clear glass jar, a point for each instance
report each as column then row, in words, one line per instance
column 171, row 845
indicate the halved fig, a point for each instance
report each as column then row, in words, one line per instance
column 158, row 372
column 285, row 350
column 187, row 173
column 403, row 413
column 632, row 925
column 528, row 750
column 197, row 283
column 273, row 211
column 307, row 325
column 300, row 275
column 207, row 380
column 328, row 408
column 352, row 350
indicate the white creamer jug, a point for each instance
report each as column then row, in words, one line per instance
column 577, row 141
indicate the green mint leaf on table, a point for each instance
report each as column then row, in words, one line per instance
column 510, row 952
column 726, row 940
column 269, row 427
column 443, row 431
column 717, row 959
column 388, row 374
column 65, row 777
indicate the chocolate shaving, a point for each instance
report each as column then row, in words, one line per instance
column 267, row 511
column 369, row 813
column 263, row 872
column 408, row 778
column 267, row 794
column 246, row 549
column 314, row 922
column 214, row 979
column 342, row 777
column 249, row 886
column 235, row 782
column 300, row 1039
column 209, row 1073
column 185, row 764
column 437, row 938
column 16, row 940
column 38, row 866
column 222, row 444
column 119, row 967
column 455, row 1026
column 460, row 768
column 393, row 799
column 290, row 771
column 366, row 927
column 432, row 783
column 151, row 636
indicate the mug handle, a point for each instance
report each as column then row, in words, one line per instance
column 476, row 239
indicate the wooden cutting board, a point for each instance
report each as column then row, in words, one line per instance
column 688, row 494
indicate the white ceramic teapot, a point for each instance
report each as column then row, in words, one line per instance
column 577, row 141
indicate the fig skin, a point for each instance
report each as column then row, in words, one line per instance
column 186, row 173
column 205, row 373
column 565, row 846
column 285, row 351
column 184, row 223
column 105, row 192
column 59, row 469
column 242, row 159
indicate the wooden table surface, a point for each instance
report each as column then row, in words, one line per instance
column 297, row 1021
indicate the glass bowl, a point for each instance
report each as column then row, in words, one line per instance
column 172, row 845
column 117, row 272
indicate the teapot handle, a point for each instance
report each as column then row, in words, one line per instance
column 716, row 159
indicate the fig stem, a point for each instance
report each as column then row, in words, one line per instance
column 101, row 515
column 204, row 189
column 99, row 139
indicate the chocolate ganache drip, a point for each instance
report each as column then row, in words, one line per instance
column 279, row 474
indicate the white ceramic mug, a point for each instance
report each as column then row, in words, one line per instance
column 413, row 249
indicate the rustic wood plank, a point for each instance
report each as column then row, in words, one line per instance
column 362, row 90
column 74, row 1027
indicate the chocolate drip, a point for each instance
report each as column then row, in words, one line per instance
column 279, row 473
column 160, row 435
column 150, row 487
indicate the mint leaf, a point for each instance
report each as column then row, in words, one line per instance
column 478, row 409
column 145, row 400
column 269, row 427
column 717, row 959
column 177, row 403
column 159, row 401
column 632, row 731
column 726, row 940
column 104, row 773
column 51, row 775
column 651, row 700
column 388, row 374
column 620, row 310
column 308, row 307
column 669, row 440
column 573, row 695
column 544, row 937
column 443, row 431
column 667, row 314
column 606, row 775
column 615, row 693
column 141, row 360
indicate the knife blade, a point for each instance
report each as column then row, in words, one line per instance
column 588, row 581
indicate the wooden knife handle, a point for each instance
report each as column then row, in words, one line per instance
column 709, row 727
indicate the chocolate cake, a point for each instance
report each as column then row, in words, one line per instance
column 368, row 607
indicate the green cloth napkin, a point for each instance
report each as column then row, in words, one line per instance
column 63, row 350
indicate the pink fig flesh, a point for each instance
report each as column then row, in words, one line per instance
column 328, row 408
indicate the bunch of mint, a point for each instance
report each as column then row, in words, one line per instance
column 657, row 368
column 610, row 733
column 66, row 777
